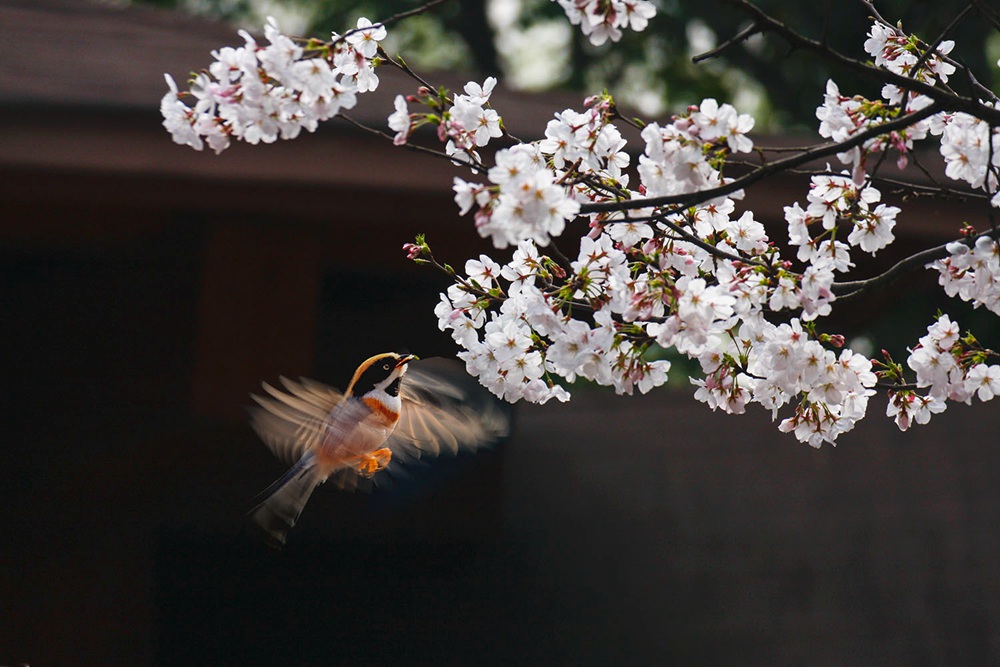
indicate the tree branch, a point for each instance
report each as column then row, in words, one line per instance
column 991, row 16
column 937, row 42
column 846, row 291
column 401, row 65
column 739, row 37
column 874, row 12
column 476, row 168
column 769, row 169
column 948, row 100
column 392, row 19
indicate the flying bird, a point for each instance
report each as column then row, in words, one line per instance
column 393, row 412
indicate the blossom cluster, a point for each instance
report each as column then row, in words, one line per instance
column 649, row 280
column 678, row 156
column 525, row 202
column 464, row 121
column 950, row 367
column 259, row 93
column 971, row 150
column 698, row 278
column 471, row 123
column 522, row 328
column 587, row 141
column 832, row 390
column 900, row 54
column 601, row 20
column 516, row 348
column 538, row 187
column 835, row 202
column 972, row 273
column 842, row 117
column 969, row 146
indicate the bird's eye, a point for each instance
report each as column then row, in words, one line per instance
column 385, row 367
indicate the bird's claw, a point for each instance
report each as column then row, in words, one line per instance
column 374, row 462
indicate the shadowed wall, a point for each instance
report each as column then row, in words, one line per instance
column 607, row 529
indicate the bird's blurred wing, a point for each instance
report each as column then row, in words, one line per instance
column 444, row 412
column 291, row 421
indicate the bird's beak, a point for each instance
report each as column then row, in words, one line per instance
column 407, row 359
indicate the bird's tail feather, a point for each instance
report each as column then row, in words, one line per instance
column 279, row 505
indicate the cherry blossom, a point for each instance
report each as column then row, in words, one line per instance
column 908, row 408
column 399, row 121
column 605, row 278
column 972, row 274
column 259, row 94
column 984, row 380
column 469, row 123
column 602, row 20
column 529, row 204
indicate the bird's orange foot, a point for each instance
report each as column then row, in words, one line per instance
column 374, row 462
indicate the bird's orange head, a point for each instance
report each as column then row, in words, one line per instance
column 383, row 371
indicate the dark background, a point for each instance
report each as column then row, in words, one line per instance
column 633, row 530
column 147, row 289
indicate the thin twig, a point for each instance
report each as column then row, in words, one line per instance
column 948, row 99
column 986, row 11
column 392, row 19
column 926, row 172
column 402, row 66
column 561, row 258
column 476, row 168
column 895, row 386
column 874, row 12
column 739, row 37
column 918, row 190
column 715, row 251
column 937, row 42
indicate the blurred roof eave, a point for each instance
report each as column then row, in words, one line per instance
column 93, row 72
column 81, row 83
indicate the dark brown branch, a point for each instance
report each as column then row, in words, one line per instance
column 855, row 288
column 476, row 168
column 895, row 386
column 937, row 42
column 947, row 99
column 739, row 37
column 769, row 169
column 401, row 65
column 392, row 19
column 874, row 12
column 986, row 11
column 715, row 251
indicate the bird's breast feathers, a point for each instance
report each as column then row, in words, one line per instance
column 386, row 408
column 356, row 427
